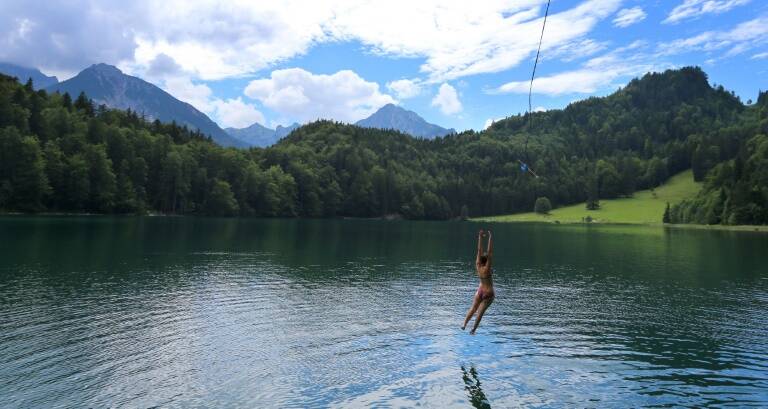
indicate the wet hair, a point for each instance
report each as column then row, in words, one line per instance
column 483, row 259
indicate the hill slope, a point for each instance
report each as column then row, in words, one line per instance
column 391, row 116
column 735, row 190
column 105, row 84
column 39, row 80
column 644, row 207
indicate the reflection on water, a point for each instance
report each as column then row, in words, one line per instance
column 184, row 312
column 474, row 390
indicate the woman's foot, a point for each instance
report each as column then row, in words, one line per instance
column 472, row 332
column 463, row 327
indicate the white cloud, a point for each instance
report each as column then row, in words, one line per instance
column 198, row 95
column 585, row 80
column 405, row 88
column 741, row 38
column 575, row 50
column 227, row 113
column 302, row 96
column 466, row 38
column 237, row 114
column 596, row 74
column 490, row 121
column 759, row 56
column 447, row 99
column 216, row 39
column 539, row 109
column 627, row 17
column 64, row 36
column 162, row 66
column 695, row 8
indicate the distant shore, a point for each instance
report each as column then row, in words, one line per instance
column 761, row 229
column 89, row 214
column 752, row 228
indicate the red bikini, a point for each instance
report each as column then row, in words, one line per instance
column 485, row 295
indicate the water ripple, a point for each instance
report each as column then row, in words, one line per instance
column 281, row 328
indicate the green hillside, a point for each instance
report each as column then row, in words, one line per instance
column 646, row 206
column 70, row 156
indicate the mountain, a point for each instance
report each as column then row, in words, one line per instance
column 39, row 80
column 283, row 131
column 391, row 116
column 259, row 135
column 254, row 135
column 107, row 85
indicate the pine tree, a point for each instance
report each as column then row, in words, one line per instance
column 35, row 114
column 126, row 194
column 78, row 183
column 666, row 218
column 593, row 201
column 221, row 201
column 22, row 167
column 83, row 103
column 464, row 212
column 66, row 100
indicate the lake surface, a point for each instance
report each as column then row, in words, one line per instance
column 185, row 312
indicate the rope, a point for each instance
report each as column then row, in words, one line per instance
column 530, row 92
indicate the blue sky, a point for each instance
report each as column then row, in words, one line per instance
column 455, row 63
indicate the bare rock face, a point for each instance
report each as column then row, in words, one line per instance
column 106, row 84
column 391, row 116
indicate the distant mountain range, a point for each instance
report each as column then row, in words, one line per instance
column 39, row 80
column 391, row 116
column 259, row 135
column 106, row 84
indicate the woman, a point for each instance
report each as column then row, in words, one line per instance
column 484, row 295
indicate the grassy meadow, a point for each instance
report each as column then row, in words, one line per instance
column 644, row 207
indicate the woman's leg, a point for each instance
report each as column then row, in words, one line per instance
column 483, row 306
column 472, row 309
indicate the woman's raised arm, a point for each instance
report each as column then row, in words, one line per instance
column 490, row 248
column 479, row 246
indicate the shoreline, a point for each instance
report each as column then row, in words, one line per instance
column 743, row 227
column 74, row 214
column 389, row 218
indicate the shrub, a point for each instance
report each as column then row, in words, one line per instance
column 542, row 206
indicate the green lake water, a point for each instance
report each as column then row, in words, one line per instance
column 192, row 312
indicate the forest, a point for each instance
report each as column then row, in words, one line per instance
column 736, row 187
column 63, row 154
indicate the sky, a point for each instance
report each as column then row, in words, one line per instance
column 456, row 63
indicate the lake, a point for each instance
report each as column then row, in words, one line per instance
column 192, row 312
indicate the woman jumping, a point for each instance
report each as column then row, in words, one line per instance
column 484, row 295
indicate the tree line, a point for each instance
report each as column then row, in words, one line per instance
column 736, row 186
column 60, row 155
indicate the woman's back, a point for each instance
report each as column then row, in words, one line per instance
column 484, row 272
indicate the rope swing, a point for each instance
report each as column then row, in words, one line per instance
column 524, row 165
